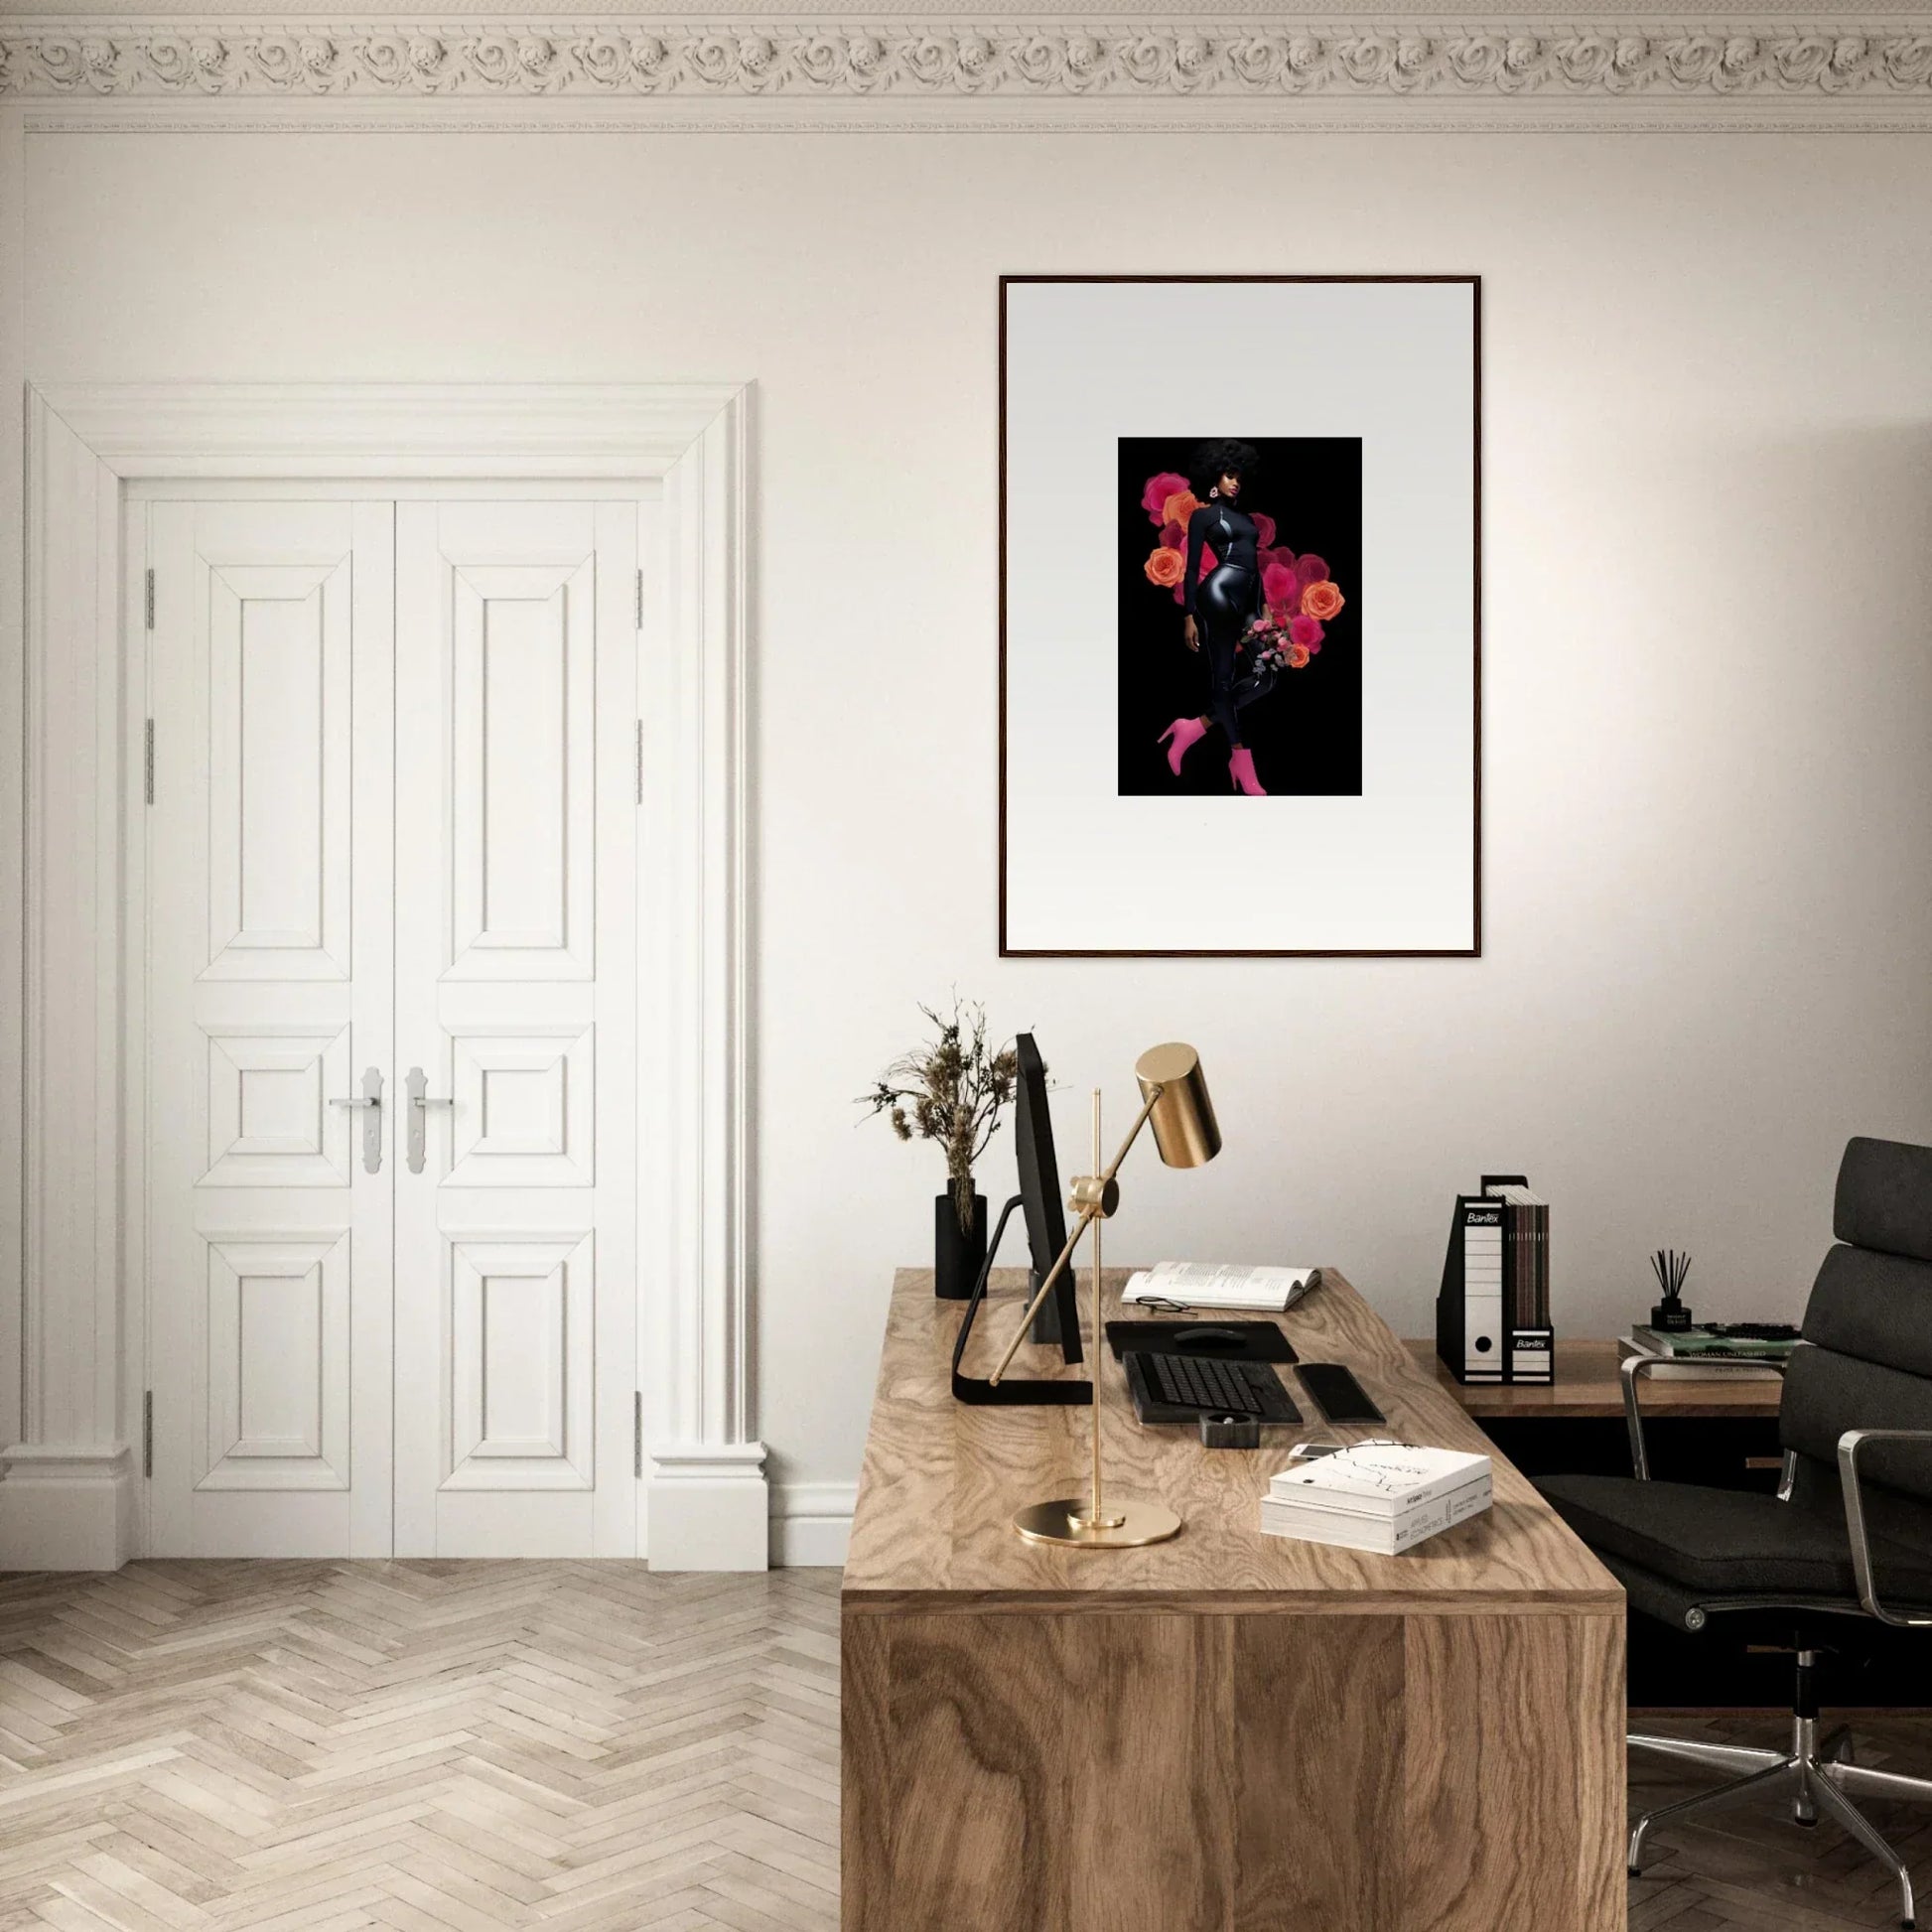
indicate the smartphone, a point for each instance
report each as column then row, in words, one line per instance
column 1337, row 1392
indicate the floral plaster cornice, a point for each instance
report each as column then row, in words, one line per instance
column 1245, row 63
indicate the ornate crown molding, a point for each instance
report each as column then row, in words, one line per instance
column 1238, row 63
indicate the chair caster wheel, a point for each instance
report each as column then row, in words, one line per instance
column 1633, row 1872
column 1809, row 1823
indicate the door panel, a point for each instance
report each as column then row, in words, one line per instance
column 520, row 653
column 515, row 976
column 270, row 888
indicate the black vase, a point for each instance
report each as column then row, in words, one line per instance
column 957, row 1257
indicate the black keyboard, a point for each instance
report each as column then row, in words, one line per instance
column 1198, row 1386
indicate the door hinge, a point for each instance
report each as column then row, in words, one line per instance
column 641, row 599
column 637, row 1434
column 150, row 599
column 147, row 762
column 147, row 1432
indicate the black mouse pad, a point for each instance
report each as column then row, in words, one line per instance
column 1233, row 1341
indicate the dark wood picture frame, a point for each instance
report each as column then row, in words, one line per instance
column 1475, row 950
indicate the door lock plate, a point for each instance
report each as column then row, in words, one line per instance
column 421, row 1100
column 371, row 1101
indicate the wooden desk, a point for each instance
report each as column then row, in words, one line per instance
column 1227, row 1733
column 1588, row 1386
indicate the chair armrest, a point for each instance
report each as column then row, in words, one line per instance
column 1635, row 1367
column 1848, row 1445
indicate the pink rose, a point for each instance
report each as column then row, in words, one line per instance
column 1264, row 531
column 1173, row 536
column 1277, row 584
column 1283, row 556
column 1306, row 632
column 1159, row 489
column 1311, row 570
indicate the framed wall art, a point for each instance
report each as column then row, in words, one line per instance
column 1240, row 615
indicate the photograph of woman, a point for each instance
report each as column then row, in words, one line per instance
column 1257, row 622
column 1222, row 603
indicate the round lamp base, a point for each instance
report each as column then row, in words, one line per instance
column 1064, row 1521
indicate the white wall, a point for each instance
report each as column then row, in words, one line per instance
column 1708, row 907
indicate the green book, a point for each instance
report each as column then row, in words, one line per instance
column 1701, row 1341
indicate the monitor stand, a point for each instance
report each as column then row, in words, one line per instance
column 1011, row 1390
column 1046, row 1324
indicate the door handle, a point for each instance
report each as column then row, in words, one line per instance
column 370, row 1098
column 421, row 1100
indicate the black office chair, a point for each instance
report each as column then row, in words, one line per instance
column 1847, row 1540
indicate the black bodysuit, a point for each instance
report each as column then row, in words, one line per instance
column 1226, row 601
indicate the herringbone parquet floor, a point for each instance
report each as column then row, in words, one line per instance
column 460, row 1747
column 434, row 1746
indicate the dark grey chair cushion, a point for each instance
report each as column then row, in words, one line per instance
column 1827, row 1393
column 1885, row 1198
column 1728, row 1542
column 1833, row 1622
column 1875, row 1307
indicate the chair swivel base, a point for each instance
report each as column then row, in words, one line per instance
column 1819, row 1778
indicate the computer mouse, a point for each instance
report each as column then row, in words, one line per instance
column 1205, row 1338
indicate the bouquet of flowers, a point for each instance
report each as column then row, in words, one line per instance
column 1300, row 599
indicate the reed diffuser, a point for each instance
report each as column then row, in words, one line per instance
column 1670, row 1315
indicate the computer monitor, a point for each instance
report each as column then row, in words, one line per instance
column 1039, row 1199
column 1039, row 1195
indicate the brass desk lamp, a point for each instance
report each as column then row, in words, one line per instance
column 1174, row 1102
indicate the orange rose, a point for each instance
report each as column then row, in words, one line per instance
column 1179, row 508
column 1322, row 601
column 1166, row 567
column 1298, row 655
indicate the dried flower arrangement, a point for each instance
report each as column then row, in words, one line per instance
column 952, row 1090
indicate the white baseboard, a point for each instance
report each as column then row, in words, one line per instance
column 811, row 1524
column 66, row 1507
column 709, row 1507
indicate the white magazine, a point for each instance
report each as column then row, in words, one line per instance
column 1217, row 1284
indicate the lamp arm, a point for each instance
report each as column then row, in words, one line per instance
column 1088, row 1216
column 1134, row 1133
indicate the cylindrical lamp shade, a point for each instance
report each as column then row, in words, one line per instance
column 1185, row 1128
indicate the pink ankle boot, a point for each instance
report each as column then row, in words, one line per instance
column 1241, row 768
column 1184, row 732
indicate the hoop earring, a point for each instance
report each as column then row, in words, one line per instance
column 1215, row 493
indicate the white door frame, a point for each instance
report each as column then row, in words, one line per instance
column 71, row 1464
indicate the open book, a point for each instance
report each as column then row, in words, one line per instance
column 1213, row 1285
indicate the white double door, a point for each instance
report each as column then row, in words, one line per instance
column 391, row 860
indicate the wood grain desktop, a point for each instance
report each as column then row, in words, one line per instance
column 1229, row 1732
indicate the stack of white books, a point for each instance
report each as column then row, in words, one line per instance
column 1381, row 1496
